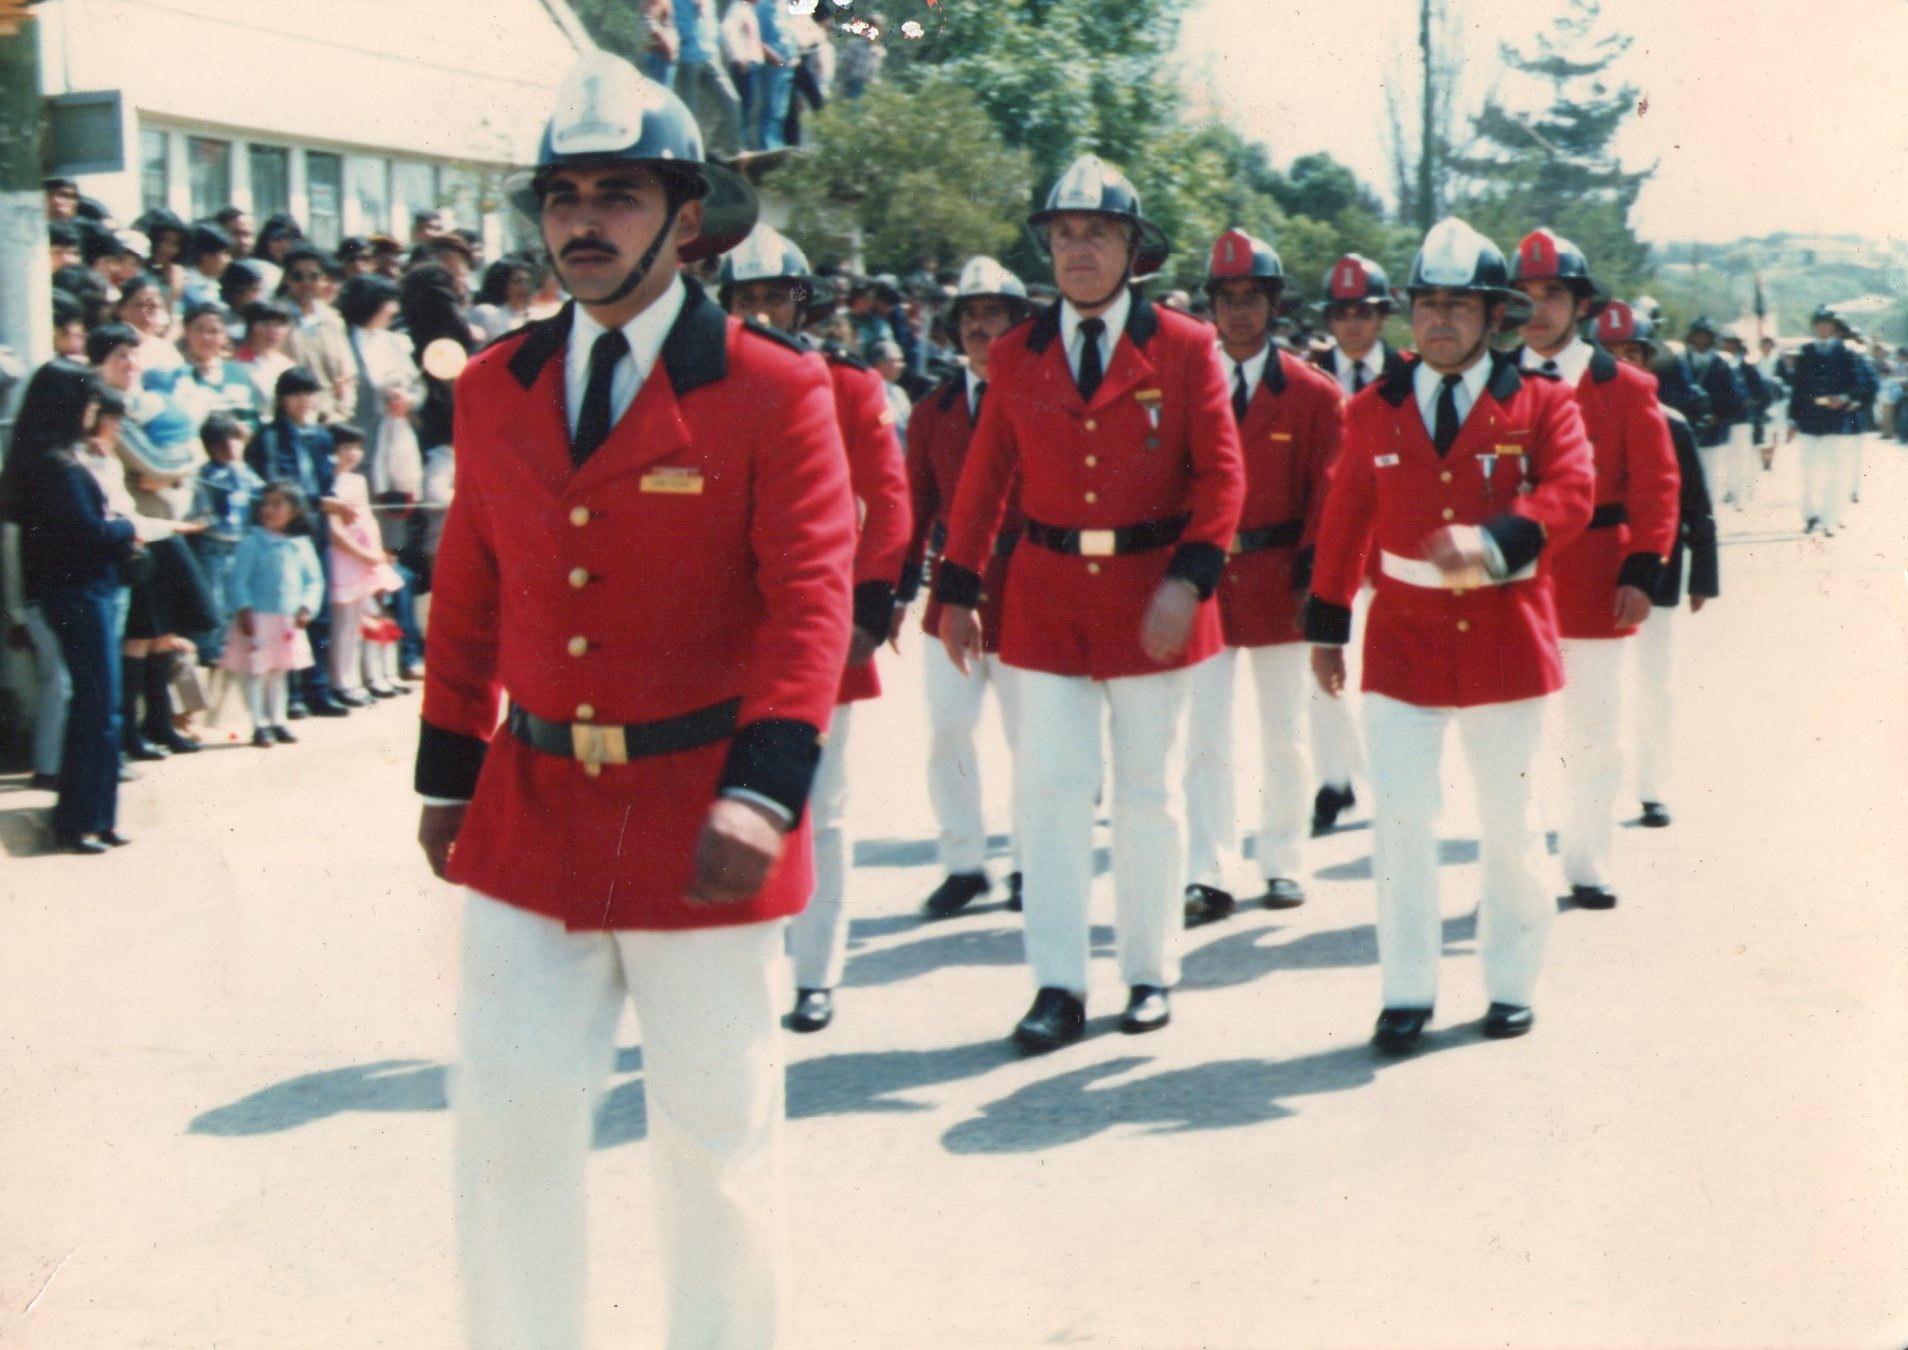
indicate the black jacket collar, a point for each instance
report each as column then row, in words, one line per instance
column 695, row 353
column 1142, row 321
column 1273, row 376
column 1502, row 384
column 951, row 389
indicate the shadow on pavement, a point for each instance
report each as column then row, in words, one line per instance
column 385, row 1085
column 964, row 946
column 1225, row 1094
column 1253, row 953
column 914, row 852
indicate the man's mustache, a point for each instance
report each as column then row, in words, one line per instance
column 581, row 249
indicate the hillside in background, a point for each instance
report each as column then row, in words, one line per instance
column 1866, row 278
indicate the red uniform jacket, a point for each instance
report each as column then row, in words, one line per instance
column 1521, row 469
column 880, row 486
column 1156, row 444
column 938, row 437
column 1633, row 527
column 1289, row 438
column 701, row 555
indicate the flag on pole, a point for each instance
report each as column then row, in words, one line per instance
column 1762, row 308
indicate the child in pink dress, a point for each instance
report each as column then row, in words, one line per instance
column 275, row 587
column 360, row 571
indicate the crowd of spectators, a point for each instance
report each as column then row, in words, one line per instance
column 231, row 478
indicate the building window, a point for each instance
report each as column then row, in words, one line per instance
column 370, row 192
column 271, row 179
column 414, row 188
column 324, row 194
column 210, row 165
column 155, row 176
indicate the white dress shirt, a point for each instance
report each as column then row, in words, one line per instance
column 645, row 333
column 1427, row 382
column 1570, row 363
column 1346, row 369
column 1115, row 317
column 1253, row 368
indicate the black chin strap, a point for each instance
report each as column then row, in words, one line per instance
column 648, row 260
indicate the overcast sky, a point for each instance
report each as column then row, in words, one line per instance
column 1764, row 115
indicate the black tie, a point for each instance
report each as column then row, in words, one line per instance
column 980, row 392
column 1446, row 433
column 593, row 423
column 1358, row 376
column 1240, row 398
column 1090, row 368
column 1550, row 369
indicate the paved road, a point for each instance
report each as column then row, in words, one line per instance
column 222, row 1111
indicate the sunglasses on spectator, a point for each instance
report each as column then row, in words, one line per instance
column 305, row 276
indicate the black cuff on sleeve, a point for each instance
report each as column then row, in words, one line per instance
column 1302, row 568
column 910, row 584
column 1640, row 570
column 955, row 585
column 1518, row 538
column 448, row 763
column 874, row 607
column 775, row 758
column 1326, row 623
column 1201, row 564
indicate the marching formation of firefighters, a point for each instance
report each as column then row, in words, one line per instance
column 680, row 537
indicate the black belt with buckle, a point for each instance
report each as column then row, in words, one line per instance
column 1142, row 538
column 1267, row 536
column 1609, row 515
column 595, row 743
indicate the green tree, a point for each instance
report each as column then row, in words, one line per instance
column 903, row 174
column 1549, row 159
column 616, row 25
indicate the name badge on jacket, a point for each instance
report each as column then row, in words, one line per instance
column 673, row 479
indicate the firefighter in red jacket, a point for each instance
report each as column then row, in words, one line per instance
column 767, row 277
column 1463, row 476
column 1289, row 416
column 1355, row 302
column 1605, row 577
column 988, row 301
column 1113, row 413
column 640, row 617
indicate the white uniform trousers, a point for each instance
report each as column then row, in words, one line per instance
column 1715, row 469
column 1742, row 463
column 1280, row 674
column 1057, row 775
column 1827, row 477
column 954, row 783
column 1590, row 750
column 537, row 1028
column 1515, row 909
column 818, row 936
column 1655, row 700
column 1337, row 756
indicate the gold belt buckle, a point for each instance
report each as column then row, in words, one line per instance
column 598, row 745
column 1096, row 543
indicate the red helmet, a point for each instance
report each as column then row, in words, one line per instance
column 1236, row 254
column 1619, row 323
column 1545, row 255
column 1356, row 280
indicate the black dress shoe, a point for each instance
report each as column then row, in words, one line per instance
column 1146, row 1010
column 1327, row 806
column 1055, row 1019
column 177, row 744
column 328, row 707
column 1505, row 1020
column 79, row 843
column 45, row 782
column 296, row 709
column 384, row 691
column 1593, row 897
column 351, row 698
column 954, row 892
column 1013, row 892
column 814, row 1009
column 1283, row 893
column 1207, row 904
column 1655, row 815
column 145, row 751
column 1398, row 1029
column 112, row 838
column 283, row 736
column 264, row 740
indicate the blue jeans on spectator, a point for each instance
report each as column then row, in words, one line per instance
column 748, row 87
column 85, row 619
column 215, row 561
column 403, row 607
column 315, row 683
column 778, row 82
column 660, row 69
